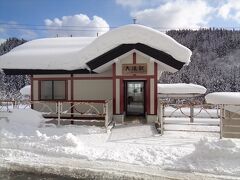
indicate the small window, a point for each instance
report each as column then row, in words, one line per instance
column 53, row 90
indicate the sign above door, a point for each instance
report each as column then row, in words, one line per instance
column 130, row 69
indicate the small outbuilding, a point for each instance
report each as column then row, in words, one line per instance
column 230, row 112
column 122, row 65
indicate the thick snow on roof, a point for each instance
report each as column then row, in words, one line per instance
column 48, row 53
column 146, row 35
column 231, row 98
column 181, row 88
column 74, row 52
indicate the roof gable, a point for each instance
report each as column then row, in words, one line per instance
column 124, row 48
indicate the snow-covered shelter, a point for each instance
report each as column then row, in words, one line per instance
column 122, row 65
column 230, row 112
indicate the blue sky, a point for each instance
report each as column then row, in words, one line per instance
column 21, row 18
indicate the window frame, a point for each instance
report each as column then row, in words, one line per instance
column 53, row 99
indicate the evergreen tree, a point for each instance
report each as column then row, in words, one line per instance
column 11, row 84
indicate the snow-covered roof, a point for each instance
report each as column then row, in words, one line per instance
column 181, row 89
column 231, row 98
column 73, row 53
column 48, row 53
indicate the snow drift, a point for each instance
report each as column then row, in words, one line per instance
column 22, row 121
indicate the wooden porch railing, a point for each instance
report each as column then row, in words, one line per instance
column 61, row 110
column 199, row 111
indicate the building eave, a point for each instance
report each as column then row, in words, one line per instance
column 45, row 71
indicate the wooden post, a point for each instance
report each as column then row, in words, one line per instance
column 191, row 113
column 161, row 116
column 106, row 113
column 58, row 112
column 222, row 116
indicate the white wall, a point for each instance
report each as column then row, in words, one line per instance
column 107, row 73
column 152, row 96
column 35, row 90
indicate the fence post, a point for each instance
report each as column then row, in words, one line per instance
column 14, row 104
column 106, row 113
column 161, row 116
column 58, row 112
column 7, row 107
column 222, row 116
column 191, row 113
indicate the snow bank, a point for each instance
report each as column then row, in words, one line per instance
column 215, row 149
column 73, row 53
column 136, row 145
column 231, row 98
column 181, row 88
column 26, row 90
column 213, row 156
column 22, row 121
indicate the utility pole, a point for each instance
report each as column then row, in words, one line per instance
column 134, row 20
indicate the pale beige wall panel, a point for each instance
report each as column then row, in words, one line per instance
column 92, row 89
column 35, row 90
column 117, row 96
column 152, row 96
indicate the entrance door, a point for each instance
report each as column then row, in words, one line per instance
column 135, row 97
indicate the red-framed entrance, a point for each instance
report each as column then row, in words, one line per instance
column 129, row 104
column 146, row 79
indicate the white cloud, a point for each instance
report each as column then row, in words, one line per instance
column 130, row 3
column 139, row 4
column 230, row 10
column 13, row 29
column 76, row 25
column 176, row 14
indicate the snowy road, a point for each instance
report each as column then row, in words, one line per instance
column 80, row 168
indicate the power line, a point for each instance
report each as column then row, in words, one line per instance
column 51, row 29
column 86, row 28
column 37, row 25
column 156, row 27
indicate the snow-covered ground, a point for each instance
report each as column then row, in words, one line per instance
column 133, row 150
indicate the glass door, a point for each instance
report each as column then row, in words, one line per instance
column 134, row 97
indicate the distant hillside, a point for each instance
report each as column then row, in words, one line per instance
column 215, row 62
column 9, row 44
